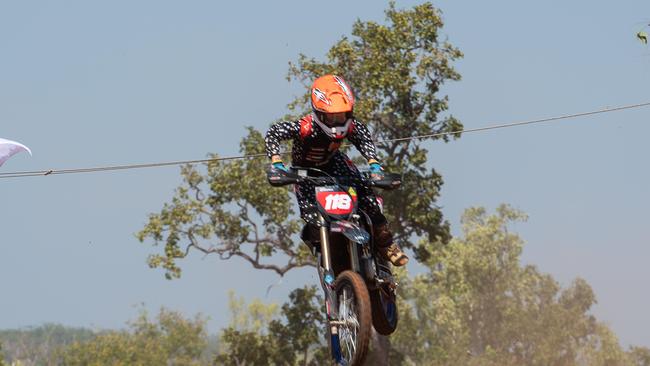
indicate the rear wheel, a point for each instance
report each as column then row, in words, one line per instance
column 384, row 310
column 355, row 317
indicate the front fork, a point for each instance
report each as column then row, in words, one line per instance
column 327, row 272
column 325, row 269
column 327, row 281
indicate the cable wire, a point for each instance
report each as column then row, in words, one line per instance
column 379, row 142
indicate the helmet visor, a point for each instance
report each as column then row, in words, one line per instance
column 335, row 119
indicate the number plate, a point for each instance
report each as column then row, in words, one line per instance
column 335, row 201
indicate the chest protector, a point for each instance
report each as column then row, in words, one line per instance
column 316, row 147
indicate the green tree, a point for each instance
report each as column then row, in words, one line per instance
column 37, row 345
column 603, row 349
column 257, row 336
column 230, row 211
column 169, row 340
column 478, row 305
column 639, row 356
column 396, row 70
column 2, row 357
column 475, row 304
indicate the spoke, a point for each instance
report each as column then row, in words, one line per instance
column 345, row 331
column 349, row 349
column 348, row 331
column 353, row 342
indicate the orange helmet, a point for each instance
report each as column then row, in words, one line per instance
column 332, row 102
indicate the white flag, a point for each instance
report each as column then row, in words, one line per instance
column 10, row 148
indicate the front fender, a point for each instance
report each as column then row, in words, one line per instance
column 350, row 230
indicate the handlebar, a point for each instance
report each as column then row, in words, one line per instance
column 296, row 174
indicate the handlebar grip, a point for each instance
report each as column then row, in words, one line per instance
column 389, row 181
column 279, row 178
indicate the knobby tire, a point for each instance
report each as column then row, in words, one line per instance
column 363, row 312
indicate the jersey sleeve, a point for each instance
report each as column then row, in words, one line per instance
column 280, row 132
column 361, row 139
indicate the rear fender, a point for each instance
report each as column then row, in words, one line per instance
column 350, row 230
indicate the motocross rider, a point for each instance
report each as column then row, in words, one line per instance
column 316, row 141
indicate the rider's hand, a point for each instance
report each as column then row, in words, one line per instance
column 376, row 171
column 278, row 164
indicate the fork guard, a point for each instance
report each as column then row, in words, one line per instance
column 350, row 230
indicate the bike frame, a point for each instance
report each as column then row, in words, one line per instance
column 326, row 260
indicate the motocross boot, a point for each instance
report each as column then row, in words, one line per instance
column 389, row 250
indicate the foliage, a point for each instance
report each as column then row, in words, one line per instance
column 226, row 210
column 642, row 36
column 396, row 70
column 171, row 339
column 294, row 339
column 477, row 305
column 36, row 346
column 639, row 356
column 252, row 317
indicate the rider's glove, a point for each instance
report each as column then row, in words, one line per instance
column 376, row 171
column 278, row 164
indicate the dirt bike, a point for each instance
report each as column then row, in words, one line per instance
column 358, row 284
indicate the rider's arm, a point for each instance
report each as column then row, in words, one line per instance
column 278, row 133
column 361, row 139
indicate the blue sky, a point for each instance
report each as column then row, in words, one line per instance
column 99, row 83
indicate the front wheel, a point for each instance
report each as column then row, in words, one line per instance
column 355, row 317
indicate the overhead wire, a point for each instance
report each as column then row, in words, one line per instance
column 20, row 174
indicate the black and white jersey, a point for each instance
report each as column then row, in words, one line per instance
column 311, row 146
